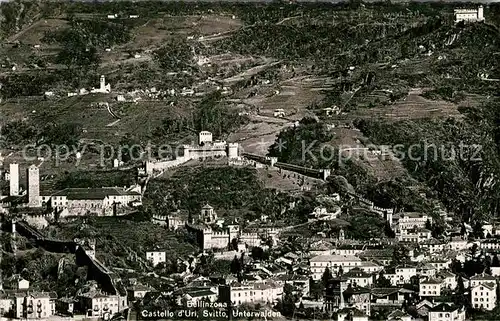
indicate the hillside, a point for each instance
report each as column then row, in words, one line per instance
column 402, row 73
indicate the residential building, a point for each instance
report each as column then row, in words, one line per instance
column 449, row 279
column 138, row 291
column 484, row 296
column 404, row 273
column 255, row 292
column 410, row 220
column 370, row 267
column 358, row 277
column 433, row 246
column 440, row 264
column 446, row 312
column 156, row 257
column 414, row 235
column 98, row 304
column 481, row 279
column 319, row 263
column 457, row 244
column 194, row 296
column 34, row 305
column 430, row 287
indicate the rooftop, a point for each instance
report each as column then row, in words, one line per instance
column 443, row 307
column 431, row 281
column 93, row 193
column 335, row 258
column 483, row 276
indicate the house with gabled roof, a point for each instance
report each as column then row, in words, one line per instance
column 430, row 287
column 483, row 294
column 446, row 312
column 357, row 276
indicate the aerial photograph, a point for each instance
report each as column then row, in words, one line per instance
column 249, row 160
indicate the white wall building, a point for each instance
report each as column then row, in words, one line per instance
column 156, row 257
column 430, row 287
column 484, row 296
column 469, row 15
column 258, row 292
column 446, row 312
column 410, row 220
column 404, row 274
column 319, row 263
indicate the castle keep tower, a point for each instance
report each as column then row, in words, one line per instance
column 33, row 185
column 14, row 179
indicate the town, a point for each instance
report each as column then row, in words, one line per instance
column 276, row 189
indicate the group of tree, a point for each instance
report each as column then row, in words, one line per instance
column 26, row 132
column 84, row 38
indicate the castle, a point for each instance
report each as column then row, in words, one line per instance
column 70, row 201
column 103, row 87
column 206, row 148
column 30, row 197
column 210, row 238
column 469, row 15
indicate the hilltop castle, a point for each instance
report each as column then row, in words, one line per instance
column 469, row 15
column 206, row 148
column 210, row 237
column 69, row 201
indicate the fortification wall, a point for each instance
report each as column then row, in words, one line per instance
column 96, row 271
column 160, row 166
column 39, row 221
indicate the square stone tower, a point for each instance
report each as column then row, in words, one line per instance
column 14, row 179
column 33, row 185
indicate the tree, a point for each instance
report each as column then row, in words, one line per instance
column 257, row 253
column 234, row 244
column 477, row 230
column 460, row 285
column 389, row 232
column 428, row 225
column 327, row 276
column 495, row 262
column 315, row 288
column 456, row 266
column 288, row 303
column 400, row 255
column 235, row 265
column 341, row 271
column 382, row 281
column 459, row 298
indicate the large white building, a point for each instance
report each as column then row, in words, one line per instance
column 446, row 312
column 205, row 149
column 411, row 220
column 100, row 305
column 484, row 296
column 156, row 257
column 469, row 15
column 319, row 263
column 210, row 236
column 483, row 292
column 414, row 235
column 430, row 287
column 257, row 292
column 82, row 201
column 33, row 305
column 404, row 273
